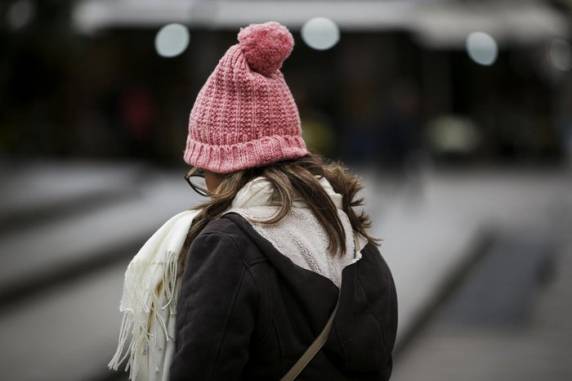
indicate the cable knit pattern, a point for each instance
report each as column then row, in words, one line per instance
column 245, row 115
column 302, row 238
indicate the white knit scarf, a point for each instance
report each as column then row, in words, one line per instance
column 146, row 338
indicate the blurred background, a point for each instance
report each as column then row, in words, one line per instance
column 457, row 114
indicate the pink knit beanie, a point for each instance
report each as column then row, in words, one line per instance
column 244, row 115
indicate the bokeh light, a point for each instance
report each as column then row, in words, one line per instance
column 482, row 48
column 560, row 54
column 20, row 14
column 320, row 33
column 172, row 40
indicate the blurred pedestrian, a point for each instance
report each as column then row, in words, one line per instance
column 275, row 274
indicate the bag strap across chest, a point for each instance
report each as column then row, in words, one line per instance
column 319, row 342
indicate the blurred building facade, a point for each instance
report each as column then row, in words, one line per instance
column 83, row 79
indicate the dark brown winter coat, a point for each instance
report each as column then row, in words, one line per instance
column 247, row 312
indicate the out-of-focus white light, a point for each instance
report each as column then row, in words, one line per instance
column 560, row 54
column 20, row 14
column 482, row 48
column 320, row 33
column 172, row 40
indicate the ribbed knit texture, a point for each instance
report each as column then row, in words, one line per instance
column 245, row 115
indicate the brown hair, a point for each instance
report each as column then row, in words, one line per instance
column 292, row 179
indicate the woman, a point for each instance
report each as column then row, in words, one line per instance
column 277, row 257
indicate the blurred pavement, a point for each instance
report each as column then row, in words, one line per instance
column 511, row 318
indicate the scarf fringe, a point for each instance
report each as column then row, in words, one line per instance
column 135, row 336
column 149, row 295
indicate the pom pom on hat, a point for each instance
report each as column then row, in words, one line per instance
column 265, row 46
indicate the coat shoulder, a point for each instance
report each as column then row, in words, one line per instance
column 227, row 229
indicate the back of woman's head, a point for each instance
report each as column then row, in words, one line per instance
column 245, row 123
